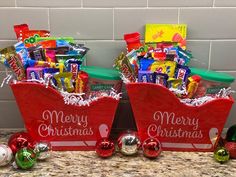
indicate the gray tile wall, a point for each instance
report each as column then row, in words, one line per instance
column 100, row 24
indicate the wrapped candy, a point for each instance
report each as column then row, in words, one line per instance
column 123, row 64
column 64, row 81
column 14, row 62
column 29, row 36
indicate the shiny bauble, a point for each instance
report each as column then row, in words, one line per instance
column 231, row 134
column 231, row 147
column 151, row 148
column 221, row 155
column 20, row 140
column 43, row 150
column 105, row 148
column 128, row 143
column 25, row 158
column 5, row 155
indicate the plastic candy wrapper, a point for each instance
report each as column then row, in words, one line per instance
column 14, row 62
column 145, row 64
column 132, row 41
column 29, row 36
column 81, row 82
column 166, row 67
column 22, row 53
column 193, row 85
column 50, row 55
column 146, row 76
column 160, row 79
column 175, row 83
column 64, row 81
column 37, row 53
column 182, row 72
column 122, row 63
column 73, row 66
column 34, row 73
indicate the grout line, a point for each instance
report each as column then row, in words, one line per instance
column 49, row 24
column 113, row 24
column 136, row 8
column 178, row 14
column 3, row 40
column 147, row 4
column 7, row 100
column 213, row 5
column 15, row 3
column 82, row 4
column 209, row 63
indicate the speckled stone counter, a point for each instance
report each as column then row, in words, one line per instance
column 80, row 163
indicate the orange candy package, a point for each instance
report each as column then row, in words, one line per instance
column 29, row 36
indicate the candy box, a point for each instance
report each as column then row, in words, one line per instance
column 160, row 114
column 166, row 33
column 67, row 127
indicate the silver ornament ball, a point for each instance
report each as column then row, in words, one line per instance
column 129, row 143
column 43, row 150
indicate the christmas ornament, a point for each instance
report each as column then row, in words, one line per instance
column 5, row 155
column 221, row 155
column 43, row 150
column 231, row 147
column 128, row 143
column 151, row 148
column 20, row 140
column 231, row 134
column 105, row 148
column 25, row 158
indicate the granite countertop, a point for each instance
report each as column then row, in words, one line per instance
column 81, row 163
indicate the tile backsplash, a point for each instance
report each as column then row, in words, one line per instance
column 100, row 24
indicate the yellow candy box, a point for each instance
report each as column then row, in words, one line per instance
column 166, row 33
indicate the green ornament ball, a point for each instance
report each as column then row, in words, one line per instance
column 25, row 158
column 231, row 134
column 221, row 155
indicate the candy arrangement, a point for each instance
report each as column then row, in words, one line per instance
column 163, row 60
column 55, row 62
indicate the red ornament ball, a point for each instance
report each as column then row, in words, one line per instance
column 151, row 148
column 20, row 140
column 105, row 148
column 231, row 147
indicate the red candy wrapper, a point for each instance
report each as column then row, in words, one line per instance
column 19, row 29
column 132, row 41
column 81, row 82
column 29, row 36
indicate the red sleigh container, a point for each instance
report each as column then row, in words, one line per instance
column 160, row 114
column 67, row 127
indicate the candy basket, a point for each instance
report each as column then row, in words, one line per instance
column 160, row 114
column 67, row 127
